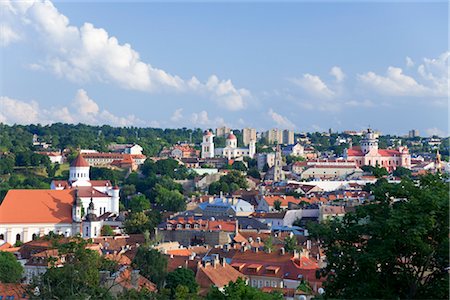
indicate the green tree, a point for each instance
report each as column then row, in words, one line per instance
column 239, row 290
column 137, row 223
column 181, row 276
column 78, row 278
column 253, row 172
column 397, row 247
column 239, row 165
column 152, row 264
column 10, row 269
column 402, row 172
column 107, row 231
column 268, row 244
column 169, row 200
column 277, row 205
column 139, row 203
column 290, row 243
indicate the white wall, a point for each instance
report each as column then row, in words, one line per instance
column 26, row 231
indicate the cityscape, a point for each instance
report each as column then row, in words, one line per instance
column 263, row 176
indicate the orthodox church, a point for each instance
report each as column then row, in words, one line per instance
column 231, row 150
column 77, row 206
column 368, row 154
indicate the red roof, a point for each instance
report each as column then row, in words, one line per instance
column 354, row 151
column 37, row 206
column 79, row 162
column 285, row 200
column 231, row 136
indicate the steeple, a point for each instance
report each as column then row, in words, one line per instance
column 438, row 162
column 77, row 208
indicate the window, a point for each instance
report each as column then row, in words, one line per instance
column 2, row 237
column 254, row 283
column 34, row 236
column 179, row 226
column 18, row 237
column 188, row 225
column 87, row 231
column 196, row 226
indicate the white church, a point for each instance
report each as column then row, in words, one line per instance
column 231, row 150
column 77, row 206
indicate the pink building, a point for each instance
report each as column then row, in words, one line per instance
column 368, row 154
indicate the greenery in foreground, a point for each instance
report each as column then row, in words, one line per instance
column 395, row 248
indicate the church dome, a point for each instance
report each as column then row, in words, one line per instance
column 231, row 136
column 79, row 162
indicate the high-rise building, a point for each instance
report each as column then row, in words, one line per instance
column 248, row 134
column 288, row 137
column 274, row 136
column 222, row 131
column 413, row 133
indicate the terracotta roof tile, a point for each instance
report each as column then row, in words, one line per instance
column 79, row 162
column 37, row 206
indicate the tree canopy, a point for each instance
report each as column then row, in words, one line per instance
column 10, row 269
column 396, row 247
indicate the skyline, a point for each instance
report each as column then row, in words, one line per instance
column 315, row 66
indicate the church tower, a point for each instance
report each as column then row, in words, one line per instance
column 231, row 141
column 77, row 208
column 369, row 142
column 208, row 145
column 79, row 171
column 91, row 224
column 278, row 174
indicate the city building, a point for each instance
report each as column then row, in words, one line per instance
column 231, row 150
column 368, row 154
column 413, row 133
column 288, row 137
column 71, row 207
column 126, row 148
column 224, row 207
column 222, row 131
column 293, row 150
column 248, row 135
column 265, row 158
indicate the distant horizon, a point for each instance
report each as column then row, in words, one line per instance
column 300, row 65
column 231, row 128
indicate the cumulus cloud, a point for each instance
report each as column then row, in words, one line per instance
column 177, row 115
column 363, row 103
column 431, row 79
column 280, row 120
column 88, row 53
column 337, row 73
column 84, row 110
column 409, row 62
column 7, row 35
column 435, row 131
column 314, row 86
column 202, row 119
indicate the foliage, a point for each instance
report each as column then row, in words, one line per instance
column 239, row 290
column 378, row 172
column 291, row 159
column 137, row 222
column 268, row 244
column 290, row 244
column 107, row 231
column 228, row 183
column 397, row 247
column 77, row 278
column 10, row 269
column 181, row 277
column 152, row 264
column 253, row 172
column 402, row 172
column 139, row 203
column 277, row 205
column 239, row 165
column 170, row 200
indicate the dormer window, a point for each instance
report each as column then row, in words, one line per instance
column 179, row 226
column 188, row 225
column 196, row 226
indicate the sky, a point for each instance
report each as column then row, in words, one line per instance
column 306, row 66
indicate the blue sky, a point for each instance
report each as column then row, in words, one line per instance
column 300, row 65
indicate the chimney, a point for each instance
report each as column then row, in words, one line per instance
column 296, row 254
column 282, row 251
column 256, row 249
column 215, row 260
column 258, row 239
column 224, row 261
column 226, row 247
column 134, row 278
column 308, row 244
column 250, row 239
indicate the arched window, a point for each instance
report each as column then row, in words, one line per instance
column 2, row 236
column 18, row 237
column 34, row 236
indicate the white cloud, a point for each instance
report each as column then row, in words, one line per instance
column 87, row 53
column 394, row 83
column 432, row 79
column 7, row 35
column 337, row 73
column 200, row 118
column 177, row 115
column 14, row 111
column 363, row 103
column 314, row 86
column 84, row 110
column 435, row 131
column 409, row 62
column 280, row 120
